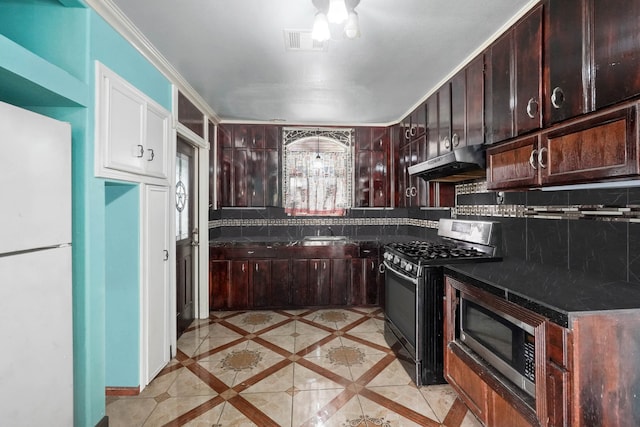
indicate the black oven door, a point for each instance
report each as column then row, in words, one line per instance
column 403, row 310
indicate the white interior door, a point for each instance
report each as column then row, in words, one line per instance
column 155, row 298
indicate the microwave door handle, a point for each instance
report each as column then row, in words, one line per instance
column 404, row 276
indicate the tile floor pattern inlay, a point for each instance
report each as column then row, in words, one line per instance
column 288, row 368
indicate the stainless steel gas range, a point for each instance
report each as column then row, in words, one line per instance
column 414, row 290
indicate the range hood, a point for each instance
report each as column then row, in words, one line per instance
column 461, row 164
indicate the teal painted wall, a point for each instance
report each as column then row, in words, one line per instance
column 122, row 278
column 116, row 53
column 56, row 38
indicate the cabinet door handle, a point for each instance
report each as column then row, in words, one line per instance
column 243, row 267
column 542, row 151
column 447, row 143
column 152, row 155
column 455, row 139
column 406, row 134
column 557, row 97
column 373, row 265
column 406, row 192
column 316, row 265
column 532, row 160
column 256, row 267
column 324, row 265
column 381, row 268
column 413, row 192
column 380, row 143
column 413, row 130
column 532, row 108
column 140, row 151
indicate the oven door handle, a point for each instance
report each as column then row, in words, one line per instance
column 404, row 276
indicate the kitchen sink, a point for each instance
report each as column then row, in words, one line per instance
column 324, row 240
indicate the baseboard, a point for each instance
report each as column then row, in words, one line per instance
column 104, row 422
column 122, row 391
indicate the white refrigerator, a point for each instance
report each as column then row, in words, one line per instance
column 36, row 360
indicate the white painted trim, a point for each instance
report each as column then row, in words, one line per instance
column 202, row 304
column 123, row 25
column 193, row 138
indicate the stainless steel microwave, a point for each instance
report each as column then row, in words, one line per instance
column 504, row 342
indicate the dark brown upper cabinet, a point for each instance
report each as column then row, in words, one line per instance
column 514, row 80
column 249, row 163
column 616, row 50
column 474, row 102
column 372, row 166
column 566, row 86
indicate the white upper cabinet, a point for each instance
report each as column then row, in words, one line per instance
column 132, row 132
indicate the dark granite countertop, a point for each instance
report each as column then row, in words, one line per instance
column 287, row 240
column 553, row 292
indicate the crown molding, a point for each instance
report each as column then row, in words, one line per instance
column 123, row 25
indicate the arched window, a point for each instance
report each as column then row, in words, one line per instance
column 317, row 171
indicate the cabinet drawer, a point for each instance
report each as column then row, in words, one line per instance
column 594, row 149
column 513, row 165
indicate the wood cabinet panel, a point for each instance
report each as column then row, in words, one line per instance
column 604, row 373
column 319, row 282
column 219, row 279
column 467, row 384
column 502, row 414
column 510, row 165
column 371, row 167
column 238, row 295
column 603, row 147
column 249, row 166
column 527, row 45
column 500, row 115
column 458, row 110
column 475, row 94
column 616, row 50
column 565, row 88
column 280, row 283
column 444, row 119
column 340, row 282
column 557, row 395
column 260, row 283
column 433, row 144
column 300, row 292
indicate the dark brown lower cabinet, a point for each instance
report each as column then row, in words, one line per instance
column 586, row 373
column 266, row 277
column 280, row 295
column 238, row 296
column 340, row 285
column 219, row 284
column 260, row 282
column 300, row 292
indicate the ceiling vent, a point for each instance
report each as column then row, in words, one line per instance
column 301, row 41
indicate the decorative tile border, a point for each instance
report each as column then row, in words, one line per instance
column 629, row 213
column 296, row 222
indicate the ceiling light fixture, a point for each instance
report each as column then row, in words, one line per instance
column 335, row 12
column 320, row 30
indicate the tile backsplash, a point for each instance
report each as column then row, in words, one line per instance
column 595, row 231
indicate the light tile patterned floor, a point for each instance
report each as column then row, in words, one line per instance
column 316, row 368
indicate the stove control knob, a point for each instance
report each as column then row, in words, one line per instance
column 408, row 267
column 403, row 264
column 396, row 259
